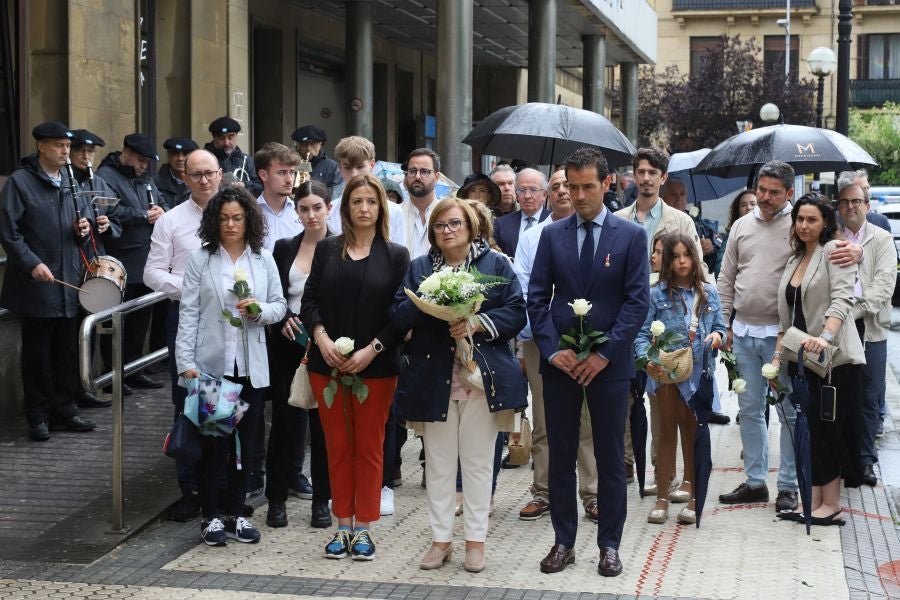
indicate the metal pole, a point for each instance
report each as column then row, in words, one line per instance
column 542, row 51
column 593, row 79
column 359, row 68
column 118, row 458
column 629, row 100
column 454, row 88
column 845, row 25
column 787, row 46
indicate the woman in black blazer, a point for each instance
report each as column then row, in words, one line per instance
column 287, row 437
column 350, row 288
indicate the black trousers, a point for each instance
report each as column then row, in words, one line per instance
column 49, row 363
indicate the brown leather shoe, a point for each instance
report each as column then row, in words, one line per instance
column 534, row 510
column 591, row 511
column 558, row 558
column 609, row 565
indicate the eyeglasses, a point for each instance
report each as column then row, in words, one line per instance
column 412, row 172
column 529, row 191
column 198, row 177
column 851, row 202
column 451, row 225
column 236, row 219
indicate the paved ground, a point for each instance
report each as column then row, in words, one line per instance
column 739, row 552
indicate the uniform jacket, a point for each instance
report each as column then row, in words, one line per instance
column 230, row 162
column 826, row 291
column 133, row 245
column 172, row 191
column 326, row 170
column 423, row 392
column 98, row 185
column 201, row 328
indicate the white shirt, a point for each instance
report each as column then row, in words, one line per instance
column 536, row 218
column 296, row 285
column 283, row 224
column 174, row 239
column 398, row 228
column 416, row 238
column 524, row 259
column 234, row 339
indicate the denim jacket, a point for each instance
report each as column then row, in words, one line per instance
column 676, row 315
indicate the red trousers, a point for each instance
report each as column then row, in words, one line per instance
column 354, row 436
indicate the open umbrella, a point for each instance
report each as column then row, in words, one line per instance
column 545, row 134
column 701, row 186
column 701, row 403
column 638, row 424
column 802, row 453
column 807, row 149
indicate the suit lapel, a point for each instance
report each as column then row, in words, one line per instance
column 608, row 235
column 815, row 263
column 215, row 273
column 258, row 277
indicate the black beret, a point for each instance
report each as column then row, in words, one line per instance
column 224, row 125
column 51, row 130
column 83, row 137
column 141, row 144
column 310, row 133
column 181, row 144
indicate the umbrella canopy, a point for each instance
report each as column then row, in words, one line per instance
column 638, row 424
column 701, row 186
column 545, row 134
column 807, row 149
column 701, row 403
column 802, row 452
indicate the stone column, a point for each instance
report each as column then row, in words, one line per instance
column 593, row 77
column 360, row 94
column 542, row 51
column 629, row 124
column 454, row 87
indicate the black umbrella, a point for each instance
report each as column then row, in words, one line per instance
column 701, row 403
column 802, row 453
column 638, row 424
column 545, row 134
column 807, row 149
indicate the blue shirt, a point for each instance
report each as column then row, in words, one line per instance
column 650, row 223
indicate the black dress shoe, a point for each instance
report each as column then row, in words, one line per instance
column 744, row 494
column 142, row 381
column 609, row 565
column 869, row 477
column 74, row 423
column 88, row 400
column 557, row 559
column 126, row 390
column 321, row 515
column 718, row 418
column 39, row 432
column 505, row 464
column 277, row 515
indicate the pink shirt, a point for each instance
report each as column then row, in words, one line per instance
column 856, row 238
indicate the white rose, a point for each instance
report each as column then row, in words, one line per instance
column 429, row 285
column 657, row 328
column 769, row 371
column 738, row 386
column 580, row 307
column 240, row 274
column 344, row 345
column 694, row 211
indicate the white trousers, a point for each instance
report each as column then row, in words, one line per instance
column 468, row 435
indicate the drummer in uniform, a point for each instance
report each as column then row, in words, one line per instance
column 83, row 154
column 42, row 237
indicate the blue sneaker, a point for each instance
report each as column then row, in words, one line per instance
column 339, row 546
column 361, row 546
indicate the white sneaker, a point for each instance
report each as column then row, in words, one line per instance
column 387, row 501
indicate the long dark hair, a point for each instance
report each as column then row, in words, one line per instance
column 829, row 232
column 735, row 209
column 667, row 273
column 255, row 225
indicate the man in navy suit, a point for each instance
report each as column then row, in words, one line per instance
column 602, row 258
column 531, row 192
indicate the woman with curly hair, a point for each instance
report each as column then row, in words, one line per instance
column 211, row 346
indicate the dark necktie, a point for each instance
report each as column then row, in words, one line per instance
column 586, row 259
column 529, row 221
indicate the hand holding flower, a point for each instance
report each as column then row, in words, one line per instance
column 587, row 369
column 332, row 357
column 738, row 386
column 246, row 307
column 566, row 361
column 359, row 360
column 347, row 371
column 459, row 331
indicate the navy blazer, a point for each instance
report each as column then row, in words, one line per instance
column 423, row 391
column 618, row 289
column 507, row 227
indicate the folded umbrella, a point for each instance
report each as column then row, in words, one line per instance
column 802, row 452
column 701, row 403
column 638, row 424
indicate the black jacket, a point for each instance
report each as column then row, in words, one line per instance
column 324, row 303
column 133, row 245
column 231, row 162
column 423, row 392
column 98, row 185
column 172, row 190
column 37, row 225
column 326, row 170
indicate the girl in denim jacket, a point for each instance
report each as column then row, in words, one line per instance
column 691, row 308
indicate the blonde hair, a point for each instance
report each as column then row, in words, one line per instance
column 485, row 222
column 382, row 223
column 354, row 150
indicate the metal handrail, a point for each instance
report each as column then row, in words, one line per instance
column 3, row 311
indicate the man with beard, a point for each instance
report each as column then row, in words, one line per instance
column 422, row 172
column 169, row 178
column 505, row 178
column 231, row 158
column 308, row 142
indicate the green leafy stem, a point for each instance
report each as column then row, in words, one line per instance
column 353, row 382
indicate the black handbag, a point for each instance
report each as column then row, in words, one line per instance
column 183, row 441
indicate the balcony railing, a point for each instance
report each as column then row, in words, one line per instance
column 866, row 93
column 737, row 4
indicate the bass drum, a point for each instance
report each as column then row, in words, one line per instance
column 104, row 284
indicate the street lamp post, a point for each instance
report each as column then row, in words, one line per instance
column 769, row 113
column 821, row 62
column 845, row 25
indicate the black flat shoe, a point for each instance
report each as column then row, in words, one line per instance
column 75, row 423
column 790, row 516
column 88, row 400
column 829, row 520
column 39, row 432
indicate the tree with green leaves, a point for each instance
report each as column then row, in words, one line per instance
column 877, row 130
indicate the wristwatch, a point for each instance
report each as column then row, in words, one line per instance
column 827, row 336
column 377, row 346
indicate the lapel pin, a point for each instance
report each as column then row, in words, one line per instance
column 606, row 264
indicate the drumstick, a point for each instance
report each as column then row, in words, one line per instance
column 74, row 287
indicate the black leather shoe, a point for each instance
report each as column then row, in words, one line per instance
column 718, row 418
column 187, row 507
column 869, row 477
column 744, row 494
column 142, row 381
column 505, row 464
column 39, row 432
column 321, row 515
column 88, row 400
column 785, row 501
column 557, row 559
column 126, row 390
column 277, row 515
column 609, row 565
column 75, row 423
